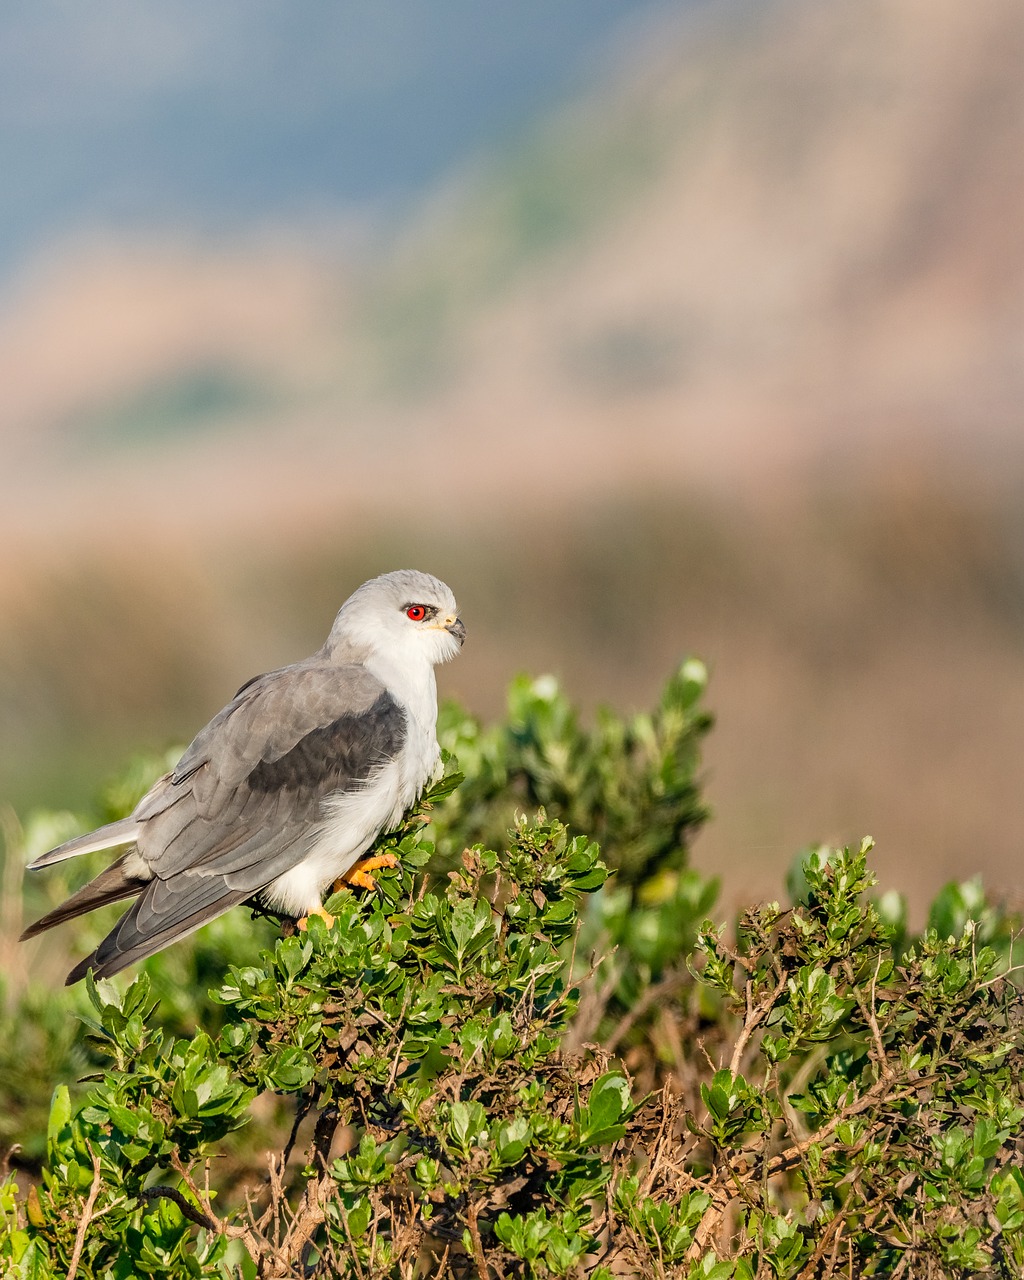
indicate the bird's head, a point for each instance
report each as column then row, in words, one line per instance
column 408, row 613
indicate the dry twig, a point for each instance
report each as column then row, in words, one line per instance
column 83, row 1226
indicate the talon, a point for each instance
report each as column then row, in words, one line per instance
column 324, row 915
column 359, row 872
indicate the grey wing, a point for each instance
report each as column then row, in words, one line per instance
column 254, row 778
column 238, row 809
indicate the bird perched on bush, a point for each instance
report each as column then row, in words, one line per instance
column 285, row 788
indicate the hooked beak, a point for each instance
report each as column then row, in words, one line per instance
column 457, row 628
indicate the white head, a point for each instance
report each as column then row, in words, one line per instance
column 410, row 615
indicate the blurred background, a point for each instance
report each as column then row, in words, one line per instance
column 653, row 328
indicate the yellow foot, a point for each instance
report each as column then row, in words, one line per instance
column 325, row 916
column 359, row 873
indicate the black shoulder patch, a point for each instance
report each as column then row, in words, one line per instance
column 336, row 755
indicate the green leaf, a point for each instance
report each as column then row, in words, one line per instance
column 59, row 1127
column 512, row 1139
column 608, row 1104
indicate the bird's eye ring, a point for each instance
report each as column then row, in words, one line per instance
column 416, row 612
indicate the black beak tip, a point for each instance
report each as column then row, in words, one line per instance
column 458, row 630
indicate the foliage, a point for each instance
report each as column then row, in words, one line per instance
column 419, row 1035
column 443, row 1083
column 630, row 784
column 865, row 1113
column 40, row 1036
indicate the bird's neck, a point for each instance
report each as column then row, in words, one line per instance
column 411, row 682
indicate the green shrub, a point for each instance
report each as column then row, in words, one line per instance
column 629, row 784
column 519, row 1068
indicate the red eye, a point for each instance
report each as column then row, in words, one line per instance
column 416, row 612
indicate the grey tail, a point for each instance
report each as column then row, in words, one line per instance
column 124, row 831
column 162, row 913
column 110, row 885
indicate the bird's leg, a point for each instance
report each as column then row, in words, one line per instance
column 324, row 915
column 359, row 872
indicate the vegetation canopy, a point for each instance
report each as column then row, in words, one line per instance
column 512, row 1061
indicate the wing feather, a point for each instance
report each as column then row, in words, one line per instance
column 230, row 821
column 270, row 714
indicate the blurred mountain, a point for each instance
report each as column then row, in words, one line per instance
column 786, row 239
column 725, row 356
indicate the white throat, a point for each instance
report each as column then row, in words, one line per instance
column 409, row 677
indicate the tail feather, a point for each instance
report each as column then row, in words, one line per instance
column 110, row 885
column 114, row 833
column 127, row 942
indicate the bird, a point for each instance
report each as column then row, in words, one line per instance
column 277, row 798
